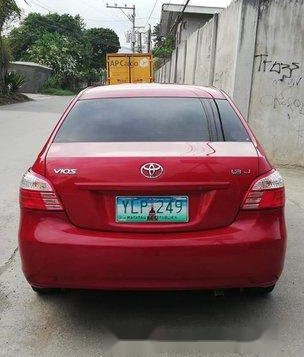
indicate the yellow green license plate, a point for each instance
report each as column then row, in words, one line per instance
column 147, row 209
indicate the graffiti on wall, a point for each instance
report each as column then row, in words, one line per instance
column 290, row 105
column 284, row 70
column 285, row 98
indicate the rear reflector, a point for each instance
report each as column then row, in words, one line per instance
column 36, row 192
column 266, row 192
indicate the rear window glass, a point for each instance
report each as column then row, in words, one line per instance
column 233, row 129
column 135, row 119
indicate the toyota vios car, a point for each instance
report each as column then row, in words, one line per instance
column 152, row 187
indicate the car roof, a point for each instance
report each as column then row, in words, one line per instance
column 150, row 90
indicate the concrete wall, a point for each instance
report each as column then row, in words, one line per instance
column 204, row 62
column 254, row 50
column 180, row 63
column 190, row 63
column 35, row 75
column 189, row 24
column 226, row 47
column 277, row 97
column 173, row 66
column 167, row 72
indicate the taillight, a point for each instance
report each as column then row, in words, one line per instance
column 266, row 192
column 36, row 192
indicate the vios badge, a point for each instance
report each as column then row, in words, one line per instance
column 65, row 171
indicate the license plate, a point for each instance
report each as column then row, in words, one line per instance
column 149, row 209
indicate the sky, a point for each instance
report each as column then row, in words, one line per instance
column 95, row 13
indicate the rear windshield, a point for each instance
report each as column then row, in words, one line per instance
column 142, row 120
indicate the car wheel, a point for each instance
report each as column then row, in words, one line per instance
column 46, row 291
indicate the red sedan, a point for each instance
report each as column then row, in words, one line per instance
column 152, row 187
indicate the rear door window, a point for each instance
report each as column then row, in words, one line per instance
column 136, row 120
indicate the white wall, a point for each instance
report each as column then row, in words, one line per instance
column 204, row 54
column 167, row 72
column 173, row 66
column 254, row 50
column 180, row 64
column 226, row 47
column 277, row 101
column 190, row 63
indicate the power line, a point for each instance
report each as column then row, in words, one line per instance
column 151, row 12
column 103, row 20
column 66, row 29
column 86, row 19
column 130, row 17
column 42, row 6
column 39, row 4
column 179, row 17
column 95, row 8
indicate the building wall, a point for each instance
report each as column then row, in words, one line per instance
column 173, row 66
column 206, row 41
column 226, row 47
column 190, row 63
column 245, row 54
column 180, row 63
column 277, row 97
column 254, row 51
column 167, row 72
column 35, row 75
column 189, row 24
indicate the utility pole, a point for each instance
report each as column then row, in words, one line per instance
column 139, row 37
column 149, row 39
column 130, row 17
column 140, row 42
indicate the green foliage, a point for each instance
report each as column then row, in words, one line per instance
column 57, row 91
column 165, row 48
column 53, row 86
column 52, row 82
column 36, row 25
column 75, row 54
column 8, row 10
column 103, row 41
column 156, row 35
column 13, row 81
column 69, row 58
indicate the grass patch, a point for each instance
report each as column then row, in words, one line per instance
column 57, row 91
column 13, row 98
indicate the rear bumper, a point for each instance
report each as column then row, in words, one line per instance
column 250, row 252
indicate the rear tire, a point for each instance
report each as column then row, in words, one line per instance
column 46, row 291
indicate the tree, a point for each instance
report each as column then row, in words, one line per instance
column 69, row 58
column 164, row 50
column 103, row 41
column 8, row 10
column 163, row 45
column 62, row 42
column 35, row 25
column 156, row 35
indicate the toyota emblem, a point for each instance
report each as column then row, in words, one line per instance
column 151, row 170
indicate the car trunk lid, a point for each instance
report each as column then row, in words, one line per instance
column 214, row 176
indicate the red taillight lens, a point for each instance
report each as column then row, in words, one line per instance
column 266, row 192
column 36, row 192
